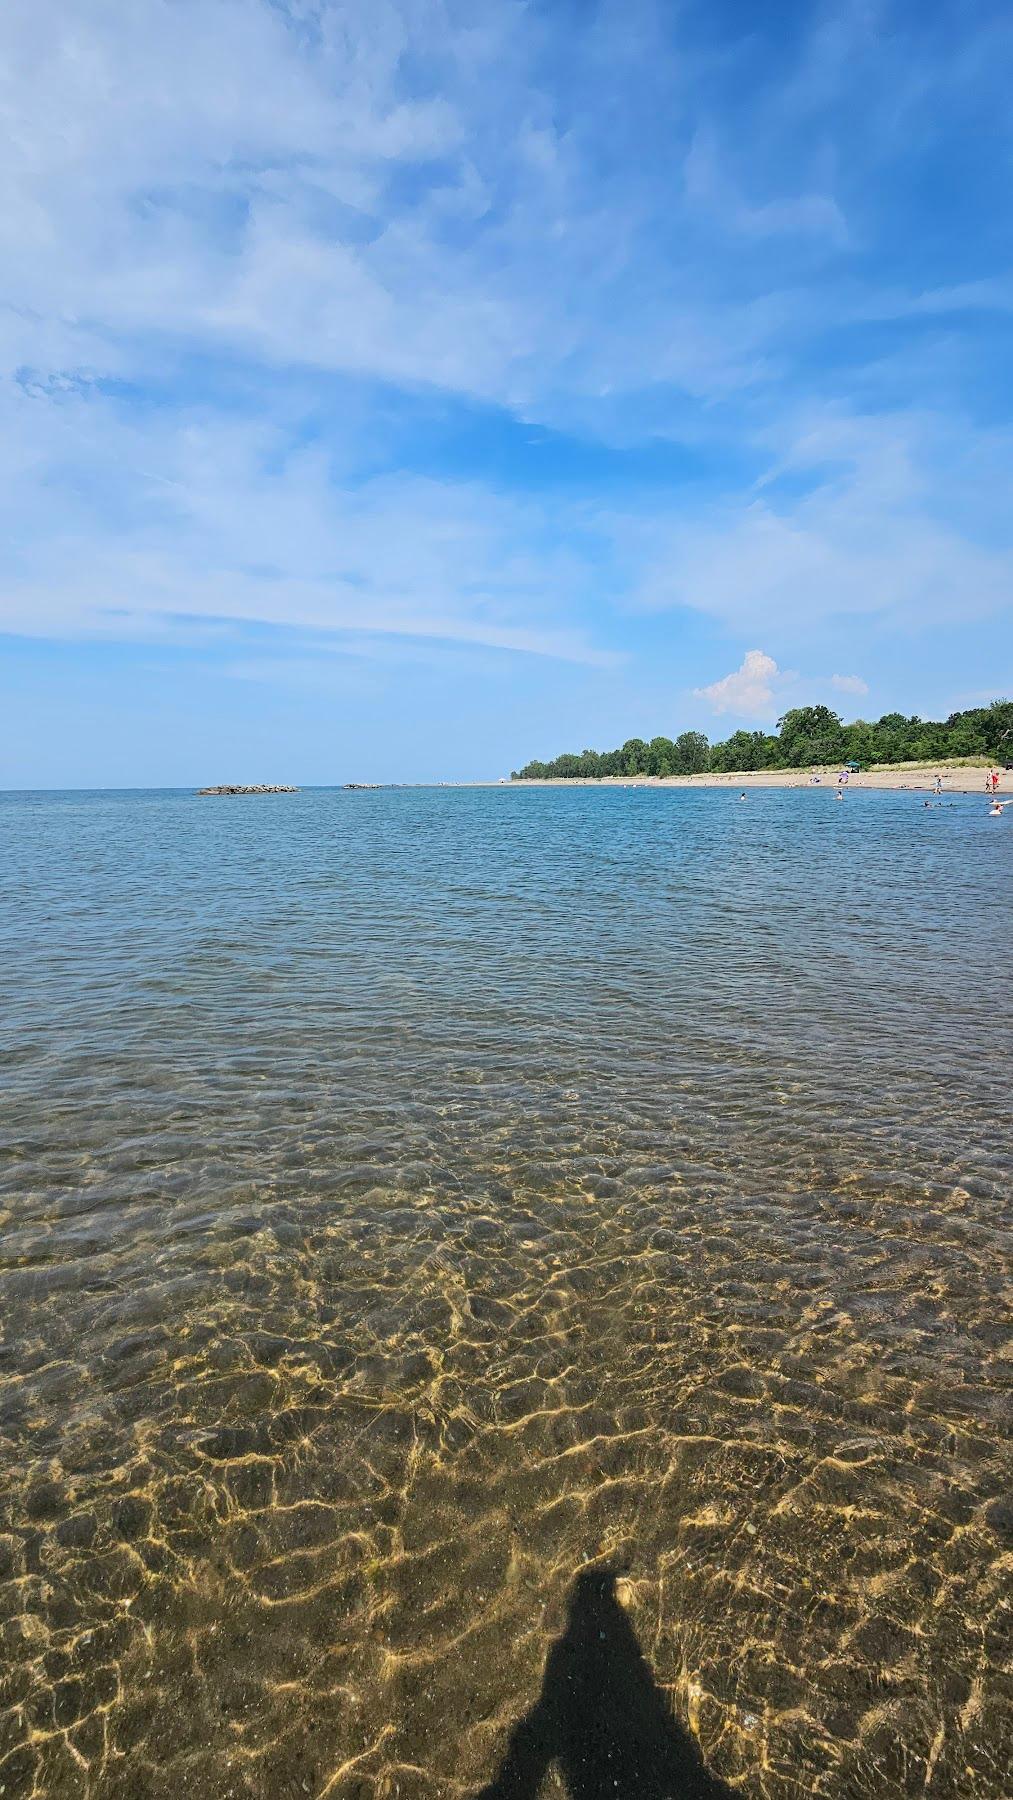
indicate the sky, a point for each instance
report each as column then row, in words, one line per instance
column 402, row 389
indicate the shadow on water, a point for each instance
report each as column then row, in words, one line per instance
column 602, row 1717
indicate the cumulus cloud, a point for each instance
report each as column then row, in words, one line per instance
column 757, row 688
column 748, row 691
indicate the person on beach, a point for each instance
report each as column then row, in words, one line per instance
column 995, row 781
column 937, row 790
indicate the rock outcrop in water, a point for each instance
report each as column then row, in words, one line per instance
column 278, row 788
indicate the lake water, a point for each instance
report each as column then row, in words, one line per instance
column 421, row 1207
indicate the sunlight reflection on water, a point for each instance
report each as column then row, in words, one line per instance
column 411, row 1197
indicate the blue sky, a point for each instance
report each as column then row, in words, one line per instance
column 403, row 388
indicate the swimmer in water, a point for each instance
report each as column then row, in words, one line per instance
column 838, row 795
column 743, row 794
column 995, row 810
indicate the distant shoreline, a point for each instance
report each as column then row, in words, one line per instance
column 918, row 778
column 900, row 777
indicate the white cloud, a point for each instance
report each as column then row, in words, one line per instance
column 478, row 234
column 832, row 557
column 375, row 186
column 145, row 194
column 375, row 190
column 710, row 187
column 892, row 516
column 758, row 688
column 748, row 691
column 182, row 525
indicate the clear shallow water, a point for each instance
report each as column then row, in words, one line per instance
column 413, row 1199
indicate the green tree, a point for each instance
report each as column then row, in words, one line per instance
column 660, row 756
column 634, row 755
column 806, row 734
column 743, row 750
column 811, row 734
column 691, row 753
column 860, row 742
column 998, row 729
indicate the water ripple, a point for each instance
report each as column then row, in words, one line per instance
column 411, row 1199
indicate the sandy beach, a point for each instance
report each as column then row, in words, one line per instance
column 918, row 777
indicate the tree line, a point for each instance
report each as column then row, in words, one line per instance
column 805, row 735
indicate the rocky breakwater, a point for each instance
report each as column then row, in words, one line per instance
column 263, row 788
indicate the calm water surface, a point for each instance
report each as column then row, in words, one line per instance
column 411, row 1200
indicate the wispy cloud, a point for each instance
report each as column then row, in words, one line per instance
column 212, row 522
column 854, row 517
column 710, row 188
column 849, row 684
column 227, row 304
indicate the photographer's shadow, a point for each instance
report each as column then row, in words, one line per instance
column 602, row 1717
